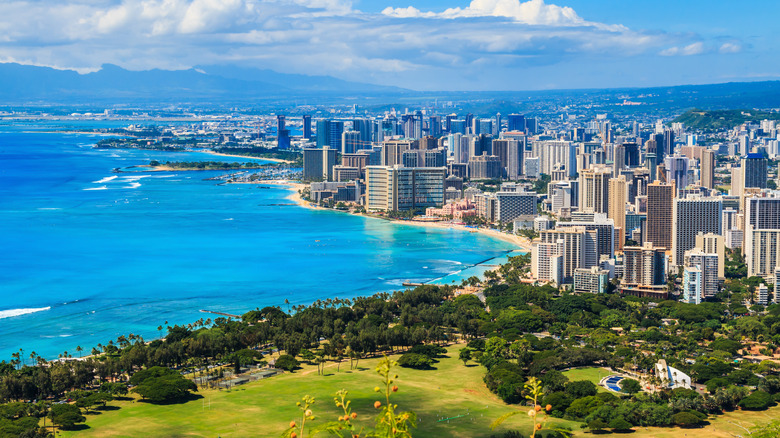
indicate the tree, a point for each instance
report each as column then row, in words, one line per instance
column 597, row 425
column 757, row 401
column 581, row 388
column 165, row 388
column 685, row 419
column 415, row 360
column 464, row 355
column 630, row 386
column 66, row 416
column 619, row 424
column 287, row 362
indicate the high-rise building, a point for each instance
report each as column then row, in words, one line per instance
column 329, row 134
column 593, row 280
column 350, row 142
column 392, row 151
column 618, row 160
column 659, row 214
column 516, row 122
column 754, row 169
column 644, row 271
column 692, row 216
column 617, row 207
column 707, row 169
column 400, row 188
column 712, row 243
column 677, row 170
column 318, row 164
column 485, row 167
column 547, row 261
column 594, row 189
column 604, row 228
column 282, row 134
column 577, row 246
column 510, row 152
column 552, row 153
column 704, row 276
column 307, row 127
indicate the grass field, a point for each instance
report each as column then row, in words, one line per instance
column 264, row 408
column 592, row 374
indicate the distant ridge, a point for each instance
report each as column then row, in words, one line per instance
column 25, row 83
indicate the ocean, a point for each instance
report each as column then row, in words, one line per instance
column 89, row 254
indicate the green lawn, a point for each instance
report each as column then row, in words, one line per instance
column 592, row 374
column 265, row 408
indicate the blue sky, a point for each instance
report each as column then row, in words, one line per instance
column 421, row 44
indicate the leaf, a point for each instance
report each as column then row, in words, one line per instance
column 502, row 418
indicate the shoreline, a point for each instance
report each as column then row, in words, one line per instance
column 521, row 242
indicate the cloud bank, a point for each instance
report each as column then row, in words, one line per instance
column 399, row 46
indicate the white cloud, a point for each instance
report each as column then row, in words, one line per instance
column 696, row 48
column 730, row 48
column 531, row 12
column 321, row 37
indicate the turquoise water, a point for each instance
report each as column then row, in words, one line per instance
column 88, row 255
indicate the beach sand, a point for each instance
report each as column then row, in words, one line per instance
column 294, row 187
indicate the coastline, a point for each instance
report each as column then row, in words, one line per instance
column 294, row 187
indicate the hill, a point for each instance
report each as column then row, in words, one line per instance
column 698, row 119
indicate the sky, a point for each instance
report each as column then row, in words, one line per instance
column 416, row 44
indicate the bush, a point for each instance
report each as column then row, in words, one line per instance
column 685, row 419
column 287, row 363
column 757, row 401
column 414, row 360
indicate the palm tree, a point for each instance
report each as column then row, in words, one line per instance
column 79, row 349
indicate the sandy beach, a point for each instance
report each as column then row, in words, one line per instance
column 274, row 160
column 295, row 196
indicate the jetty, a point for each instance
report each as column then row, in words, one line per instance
column 220, row 313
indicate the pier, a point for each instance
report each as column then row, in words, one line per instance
column 221, row 313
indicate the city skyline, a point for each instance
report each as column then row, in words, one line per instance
column 430, row 45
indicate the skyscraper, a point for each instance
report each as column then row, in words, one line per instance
column 329, row 134
column 617, row 207
column 692, row 216
column 754, row 169
column 594, row 189
column 677, row 170
column 516, row 122
column 307, row 127
column 402, row 188
column 707, row 168
column 659, row 214
column 282, row 134
column 318, row 164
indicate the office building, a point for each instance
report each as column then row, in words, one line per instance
column 692, row 216
column 393, row 150
column 510, row 152
column 350, row 142
column 329, row 134
column 531, row 166
column 677, row 170
column 399, row 188
column 307, row 127
column 516, row 122
column 754, row 171
column 282, row 134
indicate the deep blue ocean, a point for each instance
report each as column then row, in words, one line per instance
column 88, row 254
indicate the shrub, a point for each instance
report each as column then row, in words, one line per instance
column 430, row 350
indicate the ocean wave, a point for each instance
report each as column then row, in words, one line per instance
column 49, row 208
column 133, row 185
column 106, row 179
column 97, row 188
column 18, row 312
